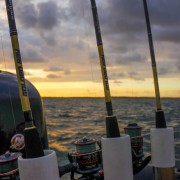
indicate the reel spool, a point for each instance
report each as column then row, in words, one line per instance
column 9, row 165
column 87, row 156
column 134, row 131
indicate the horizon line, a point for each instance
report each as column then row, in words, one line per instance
column 100, row 97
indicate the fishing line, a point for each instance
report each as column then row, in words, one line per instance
column 89, row 57
column 9, row 92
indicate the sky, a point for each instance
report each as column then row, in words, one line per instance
column 59, row 52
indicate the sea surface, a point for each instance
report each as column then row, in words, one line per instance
column 70, row 119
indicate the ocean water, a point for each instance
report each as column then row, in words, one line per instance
column 69, row 119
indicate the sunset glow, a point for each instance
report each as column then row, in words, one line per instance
column 59, row 53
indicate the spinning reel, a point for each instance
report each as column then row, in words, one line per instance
column 88, row 159
column 138, row 160
column 9, row 166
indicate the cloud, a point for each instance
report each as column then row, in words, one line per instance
column 93, row 55
column 126, row 59
column 60, row 34
column 48, row 38
column 164, row 14
column 126, row 17
column 163, row 71
column 57, row 69
column 67, row 72
column 27, row 14
column 53, row 76
column 44, row 15
column 133, row 75
column 79, row 11
column 169, row 34
column 117, row 75
column 31, row 55
column 136, row 76
column 117, row 82
column 54, row 68
column 48, row 14
column 127, row 22
column 178, row 65
column 26, row 73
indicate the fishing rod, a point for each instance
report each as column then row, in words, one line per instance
column 160, row 118
column 112, row 128
column 116, row 149
column 33, row 146
column 163, row 159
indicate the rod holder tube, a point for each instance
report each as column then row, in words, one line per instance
column 117, row 158
column 42, row 168
column 162, row 153
column 162, row 147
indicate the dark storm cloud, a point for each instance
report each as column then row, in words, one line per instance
column 44, row 16
column 122, row 17
column 116, row 17
column 27, row 14
column 48, row 14
column 169, row 34
column 126, row 17
column 163, row 14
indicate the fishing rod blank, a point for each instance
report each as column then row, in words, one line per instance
column 33, row 146
column 112, row 128
column 160, row 119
